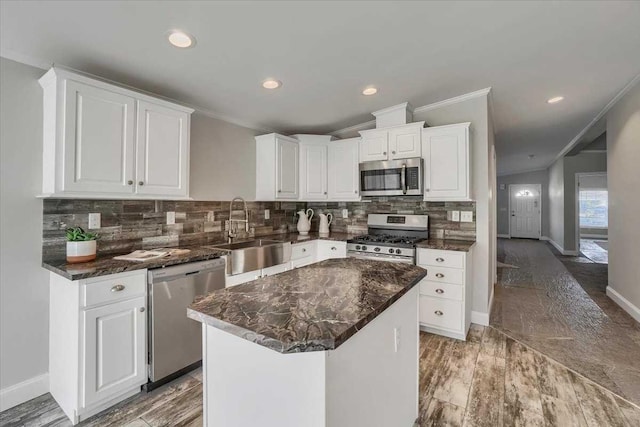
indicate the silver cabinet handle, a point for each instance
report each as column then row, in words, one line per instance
column 142, row 309
column 279, row 191
column 438, row 313
column 333, row 248
column 325, row 193
column 140, row 182
column 439, row 275
column 426, row 189
column 117, row 288
column 356, row 191
column 304, row 249
column 130, row 182
column 440, row 259
column 384, row 152
column 393, row 152
column 439, row 291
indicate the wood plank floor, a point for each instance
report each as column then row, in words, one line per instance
column 489, row 380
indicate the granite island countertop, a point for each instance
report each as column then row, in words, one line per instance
column 312, row 308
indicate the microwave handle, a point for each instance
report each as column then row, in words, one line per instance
column 403, row 178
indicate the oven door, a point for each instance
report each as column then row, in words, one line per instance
column 380, row 257
column 392, row 177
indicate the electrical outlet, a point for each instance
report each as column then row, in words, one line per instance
column 396, row 339
column 345, row 213
column 453, row 215
column 171, row 218
column 267, row 214
column 466, row 216
column 94, row 221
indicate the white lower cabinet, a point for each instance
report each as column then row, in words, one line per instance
column 97, row 341
column 328, row 249
column 445, row 292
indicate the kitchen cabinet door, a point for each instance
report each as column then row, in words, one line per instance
column 115, row 356
column 404, row 141
column 446, row 154
column 287, row 162
column 99, row 141
column 328, row 249
column 162, row 151
column 313, row 171
column 374, row 145
column 344, row 175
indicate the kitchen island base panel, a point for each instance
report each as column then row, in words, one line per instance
column 364, row 382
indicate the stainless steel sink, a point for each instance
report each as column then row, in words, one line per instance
column 254, row 255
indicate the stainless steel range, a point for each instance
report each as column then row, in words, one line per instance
column 391, row 237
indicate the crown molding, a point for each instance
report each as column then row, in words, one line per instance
column 454, row 100
column 595, row 120
column 520, row 171
column 355, row 128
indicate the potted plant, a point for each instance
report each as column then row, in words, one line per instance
column 81, row 246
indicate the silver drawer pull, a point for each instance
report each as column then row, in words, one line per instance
column 439, row 275
column 304, row 249
column 439, row 291
column 141, row 309
column 440, row 259
column 438, row 313
column 333, row 248
column 117, row 288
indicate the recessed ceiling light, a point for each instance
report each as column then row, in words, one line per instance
column 555, row 99
column 181, row 39
column 271, row 84
column 370, row 91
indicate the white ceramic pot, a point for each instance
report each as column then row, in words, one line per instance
column 84, row 251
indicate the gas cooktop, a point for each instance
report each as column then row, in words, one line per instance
column 387, row 239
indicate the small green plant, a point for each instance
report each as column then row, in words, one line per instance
column 77, row 234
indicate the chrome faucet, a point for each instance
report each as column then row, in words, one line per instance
column 232, row 234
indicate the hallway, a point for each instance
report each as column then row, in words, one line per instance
column 541, row 304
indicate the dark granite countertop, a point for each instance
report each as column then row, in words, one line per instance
column 313, row 308
column 447, row 244
column 105, row 264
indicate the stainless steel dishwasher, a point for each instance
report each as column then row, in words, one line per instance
column 175, row 341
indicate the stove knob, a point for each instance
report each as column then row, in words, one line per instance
column 390, row 251
column 364, row 248
column 357, row 247
column 398, row 251
column 377, row 249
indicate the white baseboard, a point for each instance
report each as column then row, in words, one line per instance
column 504, row 236
column 624, row 303
column 545, row 238
column 21, row 392
column 595, row 236
column 480, row 318
column 560, row 249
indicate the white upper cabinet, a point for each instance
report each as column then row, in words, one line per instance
column 162, row 150
column 277, row 167
column 313, row 171
column 343, row 170
column 446, row 152
column 397, row 142
column 101, row 140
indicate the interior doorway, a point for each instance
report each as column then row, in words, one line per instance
column 525, row 210
column 592, row 215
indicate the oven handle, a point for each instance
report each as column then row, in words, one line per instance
column 403, row 178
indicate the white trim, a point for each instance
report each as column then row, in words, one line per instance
column 371, row 124
column 480, row 318
column 522, row 171
column 595, row 236
column 560, row 249
column 601, row 114
column 504, row 236
column 593, row 151
column 404, row 106
column 24, row 391
column 454, row 100
column 624, row 303
column 539, row 186
column 545, row 238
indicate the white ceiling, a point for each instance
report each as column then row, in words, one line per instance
column 325, row 53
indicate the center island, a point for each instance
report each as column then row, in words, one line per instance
column 331, row 344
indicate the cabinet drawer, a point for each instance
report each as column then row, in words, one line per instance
column 436, row 258
column 441, row 290
column 114, row 287
column 441, row 313
column 445, row 275
column 303, row 250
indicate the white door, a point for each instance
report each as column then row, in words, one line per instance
column 98, row 140
column 525, row 211
column 162, row 151
column 115, row 356
column 286, row 169
column 313, row 172
column 374, row 145
column 446, row 162
column 404, row 142
column 344, row 181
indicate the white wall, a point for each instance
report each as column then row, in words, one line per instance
column 536, row 177
column 623, row 160
column 556, row 202
column 24, row 293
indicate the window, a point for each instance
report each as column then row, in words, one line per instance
column 594, row 206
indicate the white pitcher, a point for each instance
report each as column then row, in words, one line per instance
column 304, row 222
column 325, row 222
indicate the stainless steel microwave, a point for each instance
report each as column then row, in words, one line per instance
column 392, row 177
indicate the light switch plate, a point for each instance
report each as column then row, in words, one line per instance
column 94, row 221
column 455, row 216
column 345, row 213
column 466, row 216
column 211, row 216
column 267, row 214
column 171, row 218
